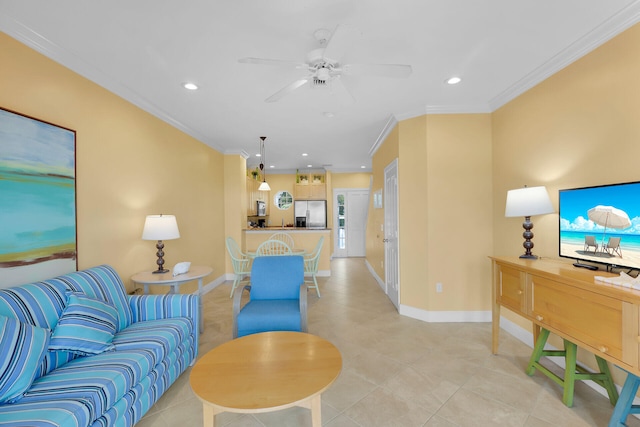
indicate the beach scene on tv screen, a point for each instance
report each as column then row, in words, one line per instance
column 601, row 224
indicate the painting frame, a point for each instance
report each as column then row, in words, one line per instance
column 38, row 189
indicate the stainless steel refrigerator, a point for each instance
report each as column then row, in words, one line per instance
column 310, row 213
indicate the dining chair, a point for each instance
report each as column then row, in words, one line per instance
column 284, row 237
column 277, row 297
column 241, row 264
column 311, row 262
column 273, row 247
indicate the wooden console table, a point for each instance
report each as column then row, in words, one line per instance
column 566, row 300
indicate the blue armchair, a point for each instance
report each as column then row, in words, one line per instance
column 277, row 297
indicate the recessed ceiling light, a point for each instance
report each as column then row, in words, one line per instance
column 304, row 154
column 258, row 155
column 309, row 166
column 454, row 80
column 272, row 166
column 190, row 86
column 363, row 167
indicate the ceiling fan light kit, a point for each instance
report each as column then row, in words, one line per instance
column 324, row 66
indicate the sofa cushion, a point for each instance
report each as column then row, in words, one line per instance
column 101, row 283
column 50, row 413
column 22, row 347
column 86, row 326
column 157, row 337
column 98, row 381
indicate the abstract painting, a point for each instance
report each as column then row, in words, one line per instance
column 37, row 199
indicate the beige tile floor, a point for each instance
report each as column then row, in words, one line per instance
column 397, row 371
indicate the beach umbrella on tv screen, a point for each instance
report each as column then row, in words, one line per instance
column 609, row 217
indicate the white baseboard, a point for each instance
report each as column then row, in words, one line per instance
column 375, row 275
column 216, row 282
column 445, row 316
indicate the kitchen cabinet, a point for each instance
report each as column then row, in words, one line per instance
column 310, row 186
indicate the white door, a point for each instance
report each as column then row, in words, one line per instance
column 350, row 219
column 391, row 258
column 357, row 209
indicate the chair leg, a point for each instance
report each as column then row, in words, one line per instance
column 316, row 285
column 236, row 282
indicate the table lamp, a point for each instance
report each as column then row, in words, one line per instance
column 526, row 202
column 160, row 227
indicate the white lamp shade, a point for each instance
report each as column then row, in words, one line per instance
column 264, row 186
column 160, row 227
column 528, row 201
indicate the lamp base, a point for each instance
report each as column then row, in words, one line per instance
column 160, row 261
column 528, row 235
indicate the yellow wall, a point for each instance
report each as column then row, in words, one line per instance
column 459, row 213
column 578, row 128
column 445, row 210
column 128, row 164
column 235, row 200
column 351, row 180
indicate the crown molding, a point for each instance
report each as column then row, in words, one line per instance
column 386, row 130
column 241, row 153
column 458, row 109
column 613, row 26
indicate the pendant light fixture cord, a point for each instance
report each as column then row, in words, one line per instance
column 262, row 155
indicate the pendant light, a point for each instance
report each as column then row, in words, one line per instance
column 263, row 186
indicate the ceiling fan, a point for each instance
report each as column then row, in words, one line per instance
column 324, row 64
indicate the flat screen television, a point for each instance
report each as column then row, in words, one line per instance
column 601, row 225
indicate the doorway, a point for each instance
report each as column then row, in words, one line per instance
column 350, row 221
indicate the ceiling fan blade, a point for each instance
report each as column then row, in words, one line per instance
column 398, row 71
column 339, row 43
column 276, row 62
column 341, row 89
column 287, row 90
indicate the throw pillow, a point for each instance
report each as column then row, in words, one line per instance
column 86, row 326
column 22, row 347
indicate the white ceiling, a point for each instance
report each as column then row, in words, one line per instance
column 143, row 50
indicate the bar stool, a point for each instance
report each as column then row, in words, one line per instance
column 572, row 371
column 625, row 405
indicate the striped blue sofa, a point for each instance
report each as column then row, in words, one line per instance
column 77, row 351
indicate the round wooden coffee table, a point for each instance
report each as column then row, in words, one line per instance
column 266, row 372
